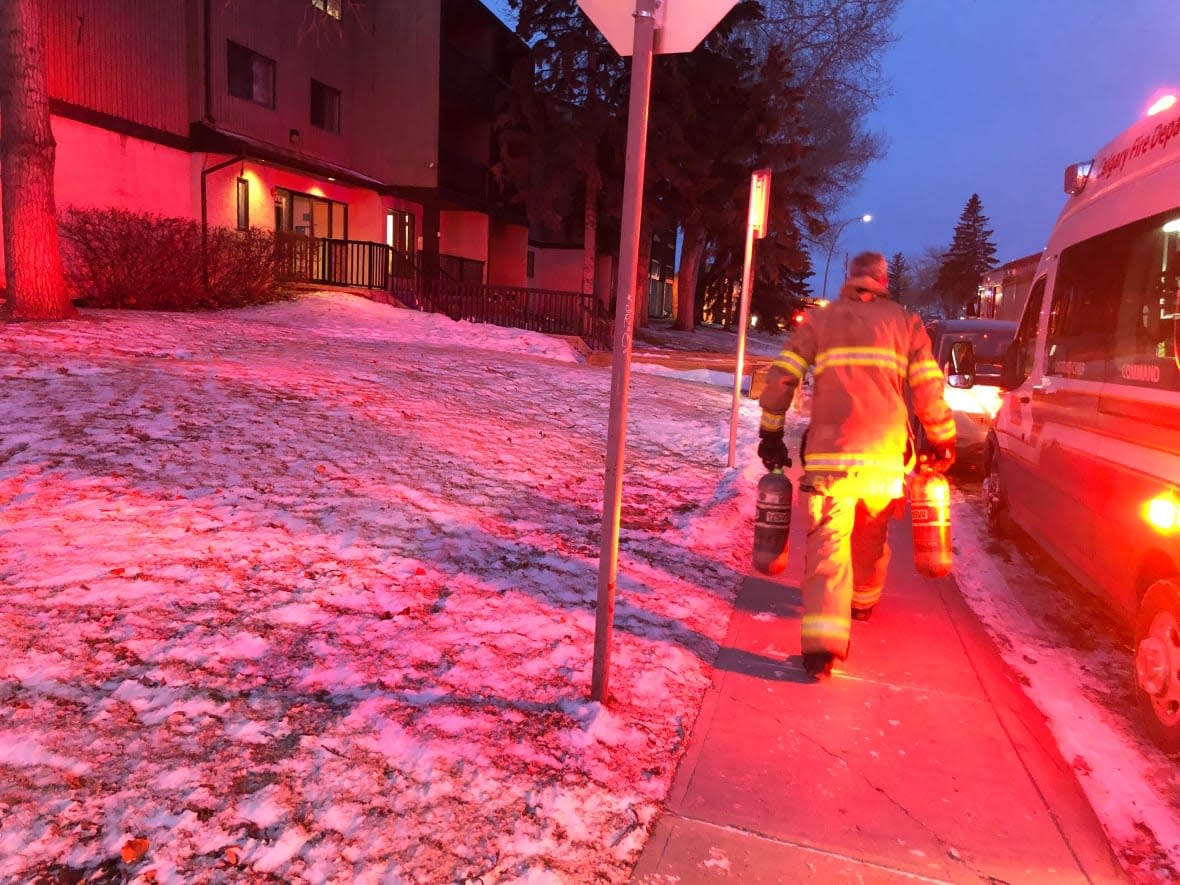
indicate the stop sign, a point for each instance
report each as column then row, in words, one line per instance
column 680, row 24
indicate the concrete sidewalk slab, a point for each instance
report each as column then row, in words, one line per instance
column 920, row 760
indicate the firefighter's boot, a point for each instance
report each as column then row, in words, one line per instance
column 818, row 663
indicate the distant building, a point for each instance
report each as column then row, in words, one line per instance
column 1003, row 291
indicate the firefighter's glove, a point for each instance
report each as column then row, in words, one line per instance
column 938, row 458
column 772, row 450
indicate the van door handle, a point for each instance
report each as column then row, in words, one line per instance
column 1026, row 399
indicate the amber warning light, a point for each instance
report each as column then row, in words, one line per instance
column 1163, row 513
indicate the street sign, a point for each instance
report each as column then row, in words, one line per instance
column 680, row 24
column 755, row 229
column 759, row 202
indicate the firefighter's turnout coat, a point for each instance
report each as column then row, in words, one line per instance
column 864, row 351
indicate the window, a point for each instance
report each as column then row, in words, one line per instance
column 1081, row 317
column 310, row 215
column 243, row 204
column 332, row 7
column 399, row 235
column 1019, row 361
column 251, row 76
column 325, row 107
column 1118, row 316
column 1147, row 322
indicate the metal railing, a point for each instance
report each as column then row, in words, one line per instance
column 333, row 262
column 376, row 266
column 537, row 310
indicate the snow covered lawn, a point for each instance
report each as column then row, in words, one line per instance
column 305, row 593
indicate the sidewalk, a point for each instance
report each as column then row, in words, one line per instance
column 920, row 761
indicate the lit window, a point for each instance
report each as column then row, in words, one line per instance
column 251, row 76
column 325, row 107
column 332, row 7
column 243, row 204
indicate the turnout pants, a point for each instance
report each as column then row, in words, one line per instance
column 844, row 566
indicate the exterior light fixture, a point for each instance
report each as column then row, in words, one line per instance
column 295, row 136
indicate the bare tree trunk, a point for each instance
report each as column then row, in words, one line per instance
column 590, row 228
column 32, row 265
column 690, row 271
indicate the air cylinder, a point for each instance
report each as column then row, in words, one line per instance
column 930, row 518
column 772, row 523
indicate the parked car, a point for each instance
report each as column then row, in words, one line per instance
column 1084, row 454
column 974, row 407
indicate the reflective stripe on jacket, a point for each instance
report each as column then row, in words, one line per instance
column 865, row 351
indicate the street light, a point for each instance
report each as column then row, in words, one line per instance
column 866, row 218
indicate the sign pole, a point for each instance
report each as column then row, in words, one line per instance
column 637, row 114
column 755, row 227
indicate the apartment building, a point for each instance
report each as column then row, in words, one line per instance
column 330, row 119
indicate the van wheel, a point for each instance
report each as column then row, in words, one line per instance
column 1157, row 663
column 995, row 499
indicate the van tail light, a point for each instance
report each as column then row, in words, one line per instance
column 1076, row 177
column 1163, row 513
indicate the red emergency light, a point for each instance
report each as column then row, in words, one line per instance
column 1161, row 104
column 1076, row 177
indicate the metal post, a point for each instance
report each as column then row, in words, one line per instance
column 637, row 113
column 743, row 321
column 205, row 173
column 827, row 264
column 831, row 249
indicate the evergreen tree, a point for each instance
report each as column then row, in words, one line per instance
column 971, row 254
column 899, row 278
column 737, row 103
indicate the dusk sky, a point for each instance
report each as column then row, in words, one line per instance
column 997, row 97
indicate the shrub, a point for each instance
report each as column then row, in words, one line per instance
column 115, row 258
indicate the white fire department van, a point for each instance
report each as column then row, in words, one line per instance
column 1084, row 455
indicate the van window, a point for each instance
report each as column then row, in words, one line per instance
column 1086, row 295
column 1114, row 313
column 1019, row 361
column 1148, row 323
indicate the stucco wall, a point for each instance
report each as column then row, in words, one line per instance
column 99, row 168
column 464, row 234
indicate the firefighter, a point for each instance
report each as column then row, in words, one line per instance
column 863, row 350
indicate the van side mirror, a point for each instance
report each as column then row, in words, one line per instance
column 961, row 370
